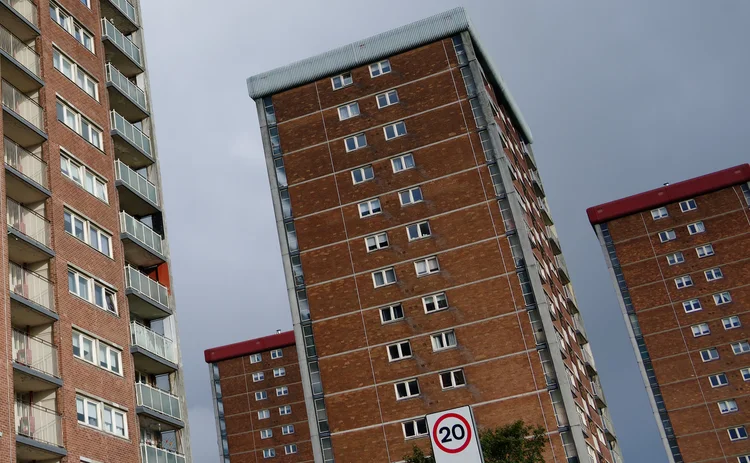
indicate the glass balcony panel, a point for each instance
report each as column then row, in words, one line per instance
column 21, row 52
column 153, row 454
column 31, row 286
column 141, row 232
column 125, row 44
column 153, row 342
column 136, row 181
column 131, row 133
column 39, row 423
column 22, row 105
column 156, row 399
column 28, row 222
column 25, row 162
column 146, row 286
column 126, row 86
column 25, row 8
column 127, row 9
column 35, row 353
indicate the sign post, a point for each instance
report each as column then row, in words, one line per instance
column 454, row 438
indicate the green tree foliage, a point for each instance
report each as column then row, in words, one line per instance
column 418, row 456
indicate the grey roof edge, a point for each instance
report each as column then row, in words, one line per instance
column 362, row 52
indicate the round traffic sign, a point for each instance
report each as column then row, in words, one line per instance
column 451, row 433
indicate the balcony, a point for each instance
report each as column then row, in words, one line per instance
column 562, row 269
column 20, row 18
column 536, row 182
column 598, row 395
column 125, row 97
column 39, row 434
column 588, row 360
column 122, row 13
column 34, row 364
column 138, row 196
column 580, row 330
column 28, row 235
column 544, row 209
column 158, row 409
column 31, row 297
column 132, row 146
column 143, row 246
column 19, row 62
column 151, row 454
column 146, row 297
column 152, row 352
column 23, row 118
column 120, row 50
column 27, row 174
column 554, row 241
column 609, row 429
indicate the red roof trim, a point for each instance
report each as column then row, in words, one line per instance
column 253, row 346
column 669, row 194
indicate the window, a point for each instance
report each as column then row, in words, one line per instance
column 402, row 163
column 72, row 26
column 696, row 227
column 418, row 230
column 394, row 130
column 282, row 391
column 269, row 453
column 285, row 410
column 92, row 291
column 713, row 274
column 743, row 459
column 342, row 80
column 399, row 351
column 279, row 372
column 79, row 124
column 97, row 352
column 378, row 69
column 287, row 429
column 369, row 208
column 391, row 313
column 675, row 258
column 426, row 266
column 87, row 3
column 383, row 277
column 82, row 229
column 458, row 47
column 375, row 242
column 84, row 177
column 266, row 433
column 745, row 372
column 692, row 305
column 727, row 406
column 101, row 416
column 742, row 347
column 452, row 379
column 667, row 235
column 659, row 213
column 683, row 281
column 410, row 196
column 362, row 174
column 444, row 340
column 255, row 358
column 277, row 354
column 737, row 433
column 731, row 323
column 700, row 330
column 688, row 205
column 348, row 111
column 705, row 251
column 355, row 142
column 708, row 355
column 722, row 298
column 261, row 395
column 72, row 71
column 718, row 380
column 406, row 389
column 290, row 449
column 264, row 414
column 387, row 98
column 258, row 377
column 273, row 135
column 434, row 302
column 415, row 428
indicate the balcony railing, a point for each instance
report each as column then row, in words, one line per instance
column 28, row 222
column 153, row 342
column 146, row 286
column 141, row 232
column 19, row 51
column 25, row 162
column 35, row 353
column 126, row 86
column 131, row 133
column 125, row 44
column 25, row 8
column 22, row 105
column 127, row 9
column 39, row 423
column 156, row 399
column 151, row 454
column 31, row 286
column 136, row 181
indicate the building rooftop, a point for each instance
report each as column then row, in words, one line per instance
column 252, row 346
column 366, row 51
column 668, row 194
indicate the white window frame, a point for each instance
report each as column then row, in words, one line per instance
column 277, row 354
column 285, row 410
column 709, row 355
column 685, row 280
column 411, row 196
column 390, row 98
column 258, row 376
column 255, row 358
column 345, row 79
column 418, row 232
column 443, row 341
column 714, row 274
column 706, row 250
column 376, row 242
column 279, row 372
column 373, row 207
column 282, row 391
column 96, row 352
column 261, row 395
column 384, row 274
column 290, row 449
column 693, row 305
column 66, row 20
column 688, row 205
column 408, row 392
column 454, row 382
column 380, row 68
column 80, row 124
column 659, row 213
column 436, row 300
column 724, row 297
column 737, row 433
column 93, row 286
column 398, row 130
column 667, row 235
column 721, row 380
column 266, row 433
column 428, row 266
column 102, row 409
column 348, row 111
column 696, row 228
column 269, row 453
column 391, row 310
column 287, row 429
column 729, row 322
column 363, row 173
column 743, row 458
column 90, row 232
column 415, row 424
column 701, row 329
column 403, row 159
column 264, row 414
column 83, row 176
column 78, row 75
column 359, row 140
column 740, row 347
column 745, row 372
column 675, row 258
column 400, row 348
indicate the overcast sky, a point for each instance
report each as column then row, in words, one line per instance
column 620, row 97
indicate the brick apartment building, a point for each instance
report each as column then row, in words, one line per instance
column 423, row 266
column 259, row 402
column 91, row 360
column 678, row 257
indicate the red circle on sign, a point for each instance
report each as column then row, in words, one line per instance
column 437, row 426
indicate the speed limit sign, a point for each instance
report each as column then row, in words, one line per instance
column 454, row 436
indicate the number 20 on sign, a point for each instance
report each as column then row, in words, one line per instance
column 454, row 436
